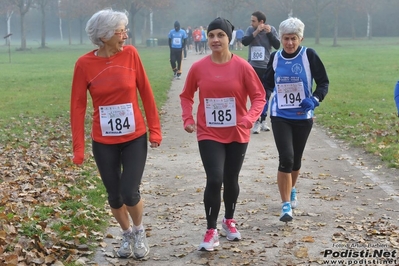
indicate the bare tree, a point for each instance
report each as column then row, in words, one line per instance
column 7, row 9
column 228, row 7
column 23, row 7
column 318, row 7
column 286, row 6
column 80, row 10
column 134, row 6
column 338, row 5
column 41, row 4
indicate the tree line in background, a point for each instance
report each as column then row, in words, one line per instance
column 154, row 18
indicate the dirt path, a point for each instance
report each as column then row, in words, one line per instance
column 347, row 203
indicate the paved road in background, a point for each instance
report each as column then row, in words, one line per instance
column 348, row 204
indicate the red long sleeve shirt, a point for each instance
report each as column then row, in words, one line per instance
column 113, row 84
column 224, row 89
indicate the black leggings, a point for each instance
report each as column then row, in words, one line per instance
column 121, row 168
column 197, row 46
column 222, row 164
column 260, row 72
column 290, row 137
column 175, row 59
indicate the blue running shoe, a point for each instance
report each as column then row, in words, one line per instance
column 286, row 212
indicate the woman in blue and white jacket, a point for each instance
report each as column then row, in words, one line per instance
column 290, row 74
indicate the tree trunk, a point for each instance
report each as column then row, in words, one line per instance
column 23, row 34
column 133, row 28
column 369, row 25
column 43, row 43
column 81, row 30
column 60, row 27
column 335, row 42
column 69, row 32
column 9, row 15
column 317, row 33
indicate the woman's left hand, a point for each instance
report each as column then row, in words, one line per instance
column 154, row 145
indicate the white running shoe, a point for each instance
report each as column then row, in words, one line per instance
column 211, row 240
column 140, row 247
column 229, row 226
column 264, row 126
column 256, row 128
column 125, row 250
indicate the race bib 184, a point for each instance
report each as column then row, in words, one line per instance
column 117, row 120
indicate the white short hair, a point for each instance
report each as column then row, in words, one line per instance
column 291, row 26
column 103, row 25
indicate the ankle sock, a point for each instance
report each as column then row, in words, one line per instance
column 127, row 231
column 138, row 228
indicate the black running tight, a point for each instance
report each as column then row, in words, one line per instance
column 121, row 168
column 222, row 164
column 290, row 137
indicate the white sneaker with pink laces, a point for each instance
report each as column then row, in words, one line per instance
column 229, row 226
column 211, row 240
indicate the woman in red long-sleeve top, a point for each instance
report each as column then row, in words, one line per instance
column 114, row 76
column 224, row 82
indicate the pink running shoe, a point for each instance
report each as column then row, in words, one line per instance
column 229, row 226
column 211, row 240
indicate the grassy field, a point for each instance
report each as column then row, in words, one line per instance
column 35, row 145
column 359, row 107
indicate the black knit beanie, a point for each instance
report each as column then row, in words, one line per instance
column 177, row 25
column 223, row 24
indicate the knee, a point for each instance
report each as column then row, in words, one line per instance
column 132, row 199
column 296, row 166
column 115, row 202
column 285, row 164
column 214, row 184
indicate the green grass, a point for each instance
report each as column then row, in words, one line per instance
column 34, row 122
column 34, row 130
column 37, row 82
column 359, row 107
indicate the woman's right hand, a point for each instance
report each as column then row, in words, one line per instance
column 190, row 128
column 78, row 158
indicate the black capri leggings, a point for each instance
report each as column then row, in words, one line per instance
column 222, row 164
column 121, row 168
column 290, row 137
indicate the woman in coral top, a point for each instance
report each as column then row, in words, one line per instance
column 114, row 76
column 224, row 81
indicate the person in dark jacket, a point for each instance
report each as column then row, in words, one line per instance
column 289, row 75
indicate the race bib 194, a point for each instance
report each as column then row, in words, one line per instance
column 290, row 95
